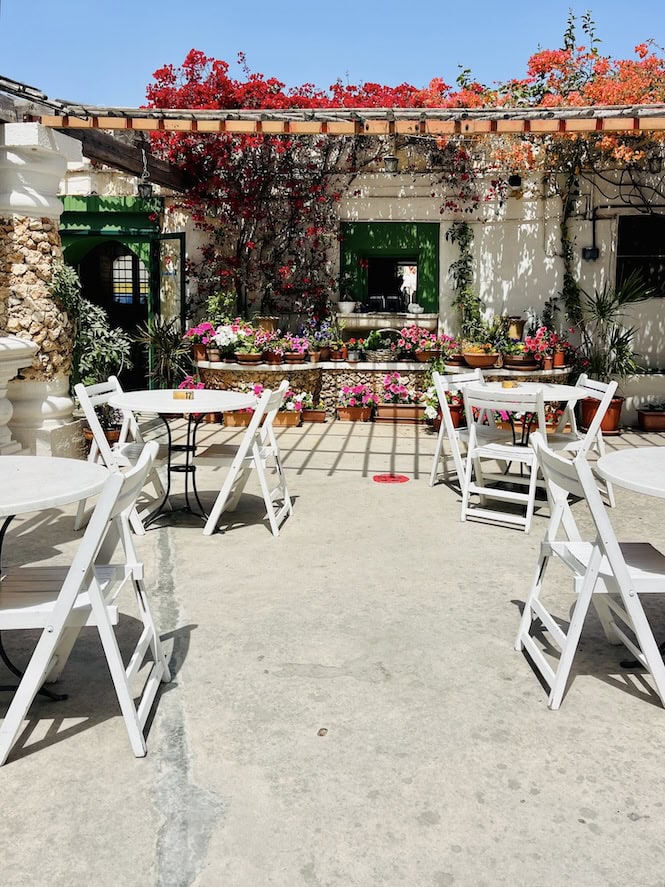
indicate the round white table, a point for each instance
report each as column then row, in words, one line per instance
column 34, row 483
column 551, row 391
column 164, row 404
column 161, row 401
column 641, row 469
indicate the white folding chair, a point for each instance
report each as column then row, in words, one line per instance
column 257, row 451
column 453, row 383
column 60, row 601
column 480, row 402
column 576, row 441
column 606, row 573
column 124, row 453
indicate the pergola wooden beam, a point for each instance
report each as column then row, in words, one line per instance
column 366, row 121
column 106, row 149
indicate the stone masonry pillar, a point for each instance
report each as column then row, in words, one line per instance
column 33, row 160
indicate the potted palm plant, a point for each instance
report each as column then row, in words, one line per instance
column 606, row 346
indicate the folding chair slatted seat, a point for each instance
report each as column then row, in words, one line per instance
column 61, row 601
column 123, row 454
column 606, row 574
column 499, row 485
column 258, row 451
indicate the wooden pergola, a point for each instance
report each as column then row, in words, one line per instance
column 95, row 126
column 365, row 121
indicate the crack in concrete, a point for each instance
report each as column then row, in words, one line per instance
column 190, row 813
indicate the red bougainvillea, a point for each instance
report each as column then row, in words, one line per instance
column 268, row 202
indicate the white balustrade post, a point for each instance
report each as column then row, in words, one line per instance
column 33, row 160
column 14, row 354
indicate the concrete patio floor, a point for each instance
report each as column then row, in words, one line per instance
column 347, row 707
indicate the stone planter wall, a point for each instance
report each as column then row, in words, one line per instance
column 324, row 380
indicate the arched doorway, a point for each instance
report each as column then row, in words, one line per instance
column 113, row 276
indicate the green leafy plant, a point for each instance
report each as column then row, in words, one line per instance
column 168, row 352
column 221, row 307
column 606, row 343
column 100, row 349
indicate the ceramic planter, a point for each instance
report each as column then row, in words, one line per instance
column 198, row 351
column 346, row 307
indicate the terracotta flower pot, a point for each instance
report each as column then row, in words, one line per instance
column 651, row 420
column 427, row 355
column 214, row 355
column 237, row 419
column 408, row 413
column 521, row 362
column 314, row 415
column 559, row 359
column 480, row 360
column 354, row 414
column 248, row 359
column 199, row 351
column 314, row 356
column 287, row 419
column 273, row 357
column 611, row 419
column 294, row 357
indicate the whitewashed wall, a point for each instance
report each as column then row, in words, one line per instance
column 517, row 248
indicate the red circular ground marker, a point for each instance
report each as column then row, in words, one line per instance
column 390, row 478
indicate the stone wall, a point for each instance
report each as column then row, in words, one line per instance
column 28, row 249
column 324, row 380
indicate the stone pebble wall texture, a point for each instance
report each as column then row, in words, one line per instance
column 28, row 250
column 325, row 380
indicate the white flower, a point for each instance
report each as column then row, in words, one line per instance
column 225, row 336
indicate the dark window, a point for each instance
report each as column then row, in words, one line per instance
column 641, row 247
column 391, row 283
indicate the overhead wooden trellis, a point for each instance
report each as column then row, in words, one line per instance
column 369, row 122
column 65, row 115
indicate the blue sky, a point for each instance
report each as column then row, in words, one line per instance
column 105, row 53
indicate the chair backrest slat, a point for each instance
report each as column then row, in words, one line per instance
column 603, row 392
column 480, row 402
